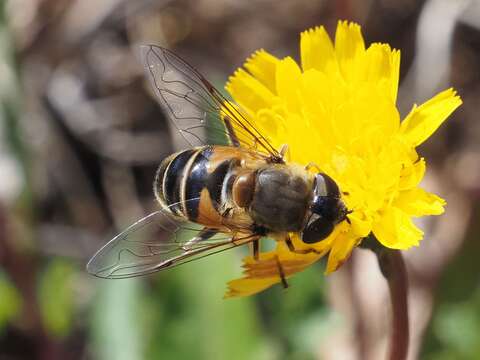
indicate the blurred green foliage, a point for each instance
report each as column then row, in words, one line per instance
column 117, row 321
column 454, row 332
column 56, row 296
column 10, row 301
column 181, row 314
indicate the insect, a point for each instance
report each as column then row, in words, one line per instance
column 237, row 193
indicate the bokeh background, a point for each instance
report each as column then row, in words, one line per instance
column 80, row 139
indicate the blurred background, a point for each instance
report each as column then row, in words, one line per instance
column 81, row 137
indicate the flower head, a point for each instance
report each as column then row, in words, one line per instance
column 338, row 110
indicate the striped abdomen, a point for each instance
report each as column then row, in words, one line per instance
column 193, row 183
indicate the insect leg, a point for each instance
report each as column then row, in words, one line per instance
column 281, row 273
column 241, row 239
column 312, row 165
column 291, row 247
column 284, row 150
column 255, row 249
column 204, row 234
column 231, row 132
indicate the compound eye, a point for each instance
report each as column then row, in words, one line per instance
column 332, row 187
column 317, row 230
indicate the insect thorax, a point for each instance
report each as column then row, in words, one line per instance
column 281, row 198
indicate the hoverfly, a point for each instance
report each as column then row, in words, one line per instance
column 237, row 193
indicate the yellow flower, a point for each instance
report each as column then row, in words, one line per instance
column 338, row 110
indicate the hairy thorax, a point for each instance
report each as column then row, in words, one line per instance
column 281, row 197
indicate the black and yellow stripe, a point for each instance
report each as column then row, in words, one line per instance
column 183, row 179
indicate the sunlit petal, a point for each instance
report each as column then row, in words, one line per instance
column 418, row 202
column 317, row 51
column 262, row 66
column 396, row 230
column 423, row 120
column 249, row 92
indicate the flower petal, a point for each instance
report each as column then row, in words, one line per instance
column 341, row 250
column 248, row 92
column 361, row 226
column 418, row 202
column 383, row 66
column 288, row 73
column 316, row 50
column 396, row 230
column 262, row 66
column 410, row 176
column 247, row 286
column 265, row 272
column 422, row 121
column 350, row 49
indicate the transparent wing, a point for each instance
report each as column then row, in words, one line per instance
column 195, row 106
column 156, row 242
